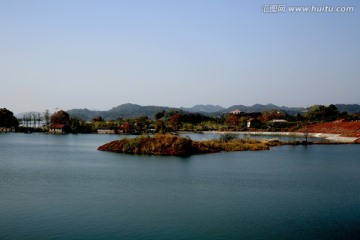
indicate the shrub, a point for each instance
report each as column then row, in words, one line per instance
column 166, row 144
column 227, row 137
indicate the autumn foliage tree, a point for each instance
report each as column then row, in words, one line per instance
column 60, row 117
column 175, row 121
column 232, row 120
column 126, row 127
column 270, row 115
column 160, row 126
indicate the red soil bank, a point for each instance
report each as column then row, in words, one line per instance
column 346, row 129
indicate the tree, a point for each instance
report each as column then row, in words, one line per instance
column 160, row 126
column 34, row 120
column 273, row 114
column 142, row 123
column 39, row 119
column 232, row 120
column 159, row 114
column 47, row 117
column 305, row 131
column 79, row 126
column 322, row 113
column 60, row 117
column 98, row 119
column 175, row 121
column 227, row 137
column 7, row 118
column 126, row 127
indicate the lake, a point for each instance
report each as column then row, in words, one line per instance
column 61, row 187
column 286, row 138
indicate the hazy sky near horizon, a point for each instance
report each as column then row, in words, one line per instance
column 99, row 54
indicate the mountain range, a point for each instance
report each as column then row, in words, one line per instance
column 130, row 110
column 204, row 108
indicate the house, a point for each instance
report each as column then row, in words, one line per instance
column 253, row 122
column 106, row 130
column 7, row 129
column 278, row 121
column 57, row 128
column 236, row 111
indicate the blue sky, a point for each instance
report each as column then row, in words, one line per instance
column 100, row 54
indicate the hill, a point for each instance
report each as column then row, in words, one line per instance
column 84, row 114
column 349, row 108
column 204, row 108
column 263, row 108
column 130, row 110
column 127, row 110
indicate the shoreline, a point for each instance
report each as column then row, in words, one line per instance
column 331, row 137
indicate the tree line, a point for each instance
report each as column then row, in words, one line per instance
column 172, row 120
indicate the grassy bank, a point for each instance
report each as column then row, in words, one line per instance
column 166, row 144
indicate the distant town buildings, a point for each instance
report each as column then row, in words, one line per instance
column 236, row 111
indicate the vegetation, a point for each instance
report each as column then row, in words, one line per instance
column 323, row 113
column 171, row 145
column 79, row 126
column 227, row 137
column 158, row 145
column 168, row 120
column 7, row 119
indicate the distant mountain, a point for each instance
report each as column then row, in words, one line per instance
column 204, row 108
column 130, row 110
column 349, row 108
column 127, row 110
column 263, row 108
column 84, row 114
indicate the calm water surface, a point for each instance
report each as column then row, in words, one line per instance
column 61, row 187
column 211, row 136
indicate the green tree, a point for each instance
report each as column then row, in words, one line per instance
column 159, row 114
column 79, row 126
column 98, row 119
column 320, row 113
column 7, row 118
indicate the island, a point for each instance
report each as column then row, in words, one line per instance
column 172, row 145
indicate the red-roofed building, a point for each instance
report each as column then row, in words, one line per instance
column 57, row 128
column 60, row 122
